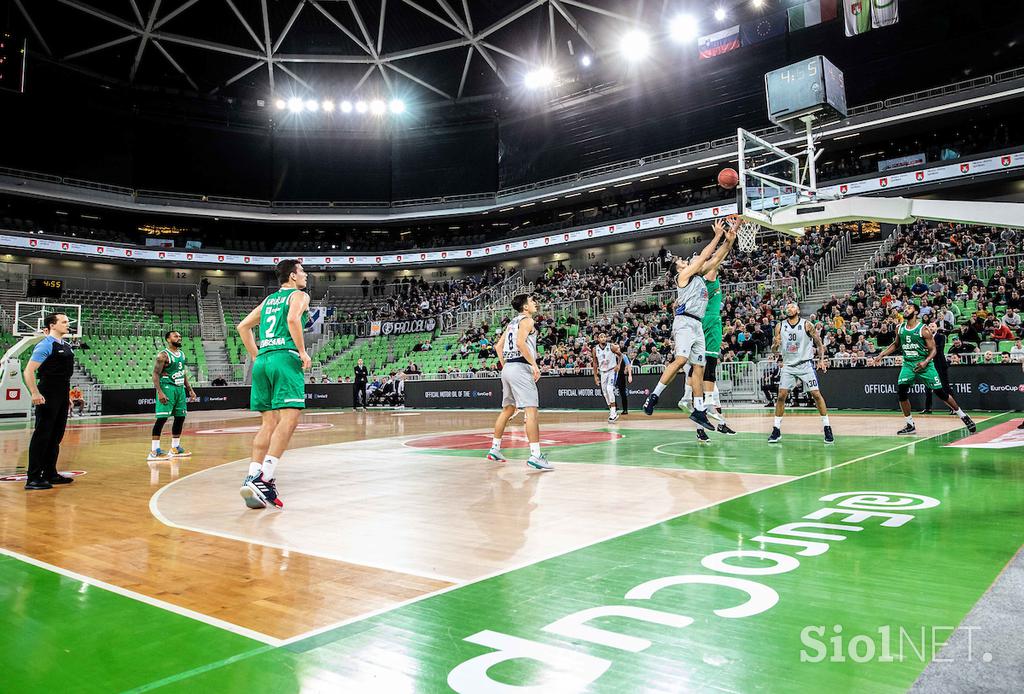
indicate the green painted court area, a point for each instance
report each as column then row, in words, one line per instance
column 569, row 618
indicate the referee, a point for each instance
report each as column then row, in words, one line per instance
column 55, row 362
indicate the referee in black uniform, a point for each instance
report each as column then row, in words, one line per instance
column 55, row 362
column 940, row 361
column 359, row 386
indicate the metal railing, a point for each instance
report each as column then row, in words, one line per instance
column 822, row 269
column 495, row 298
column 952, row 269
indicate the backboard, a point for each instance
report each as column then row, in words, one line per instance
column 29, row 317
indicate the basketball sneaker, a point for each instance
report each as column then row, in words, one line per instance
column 250, row 495
column 776, row 435
column 158, row 454
column 969, row 423
column 829, row 438
column 724, row 429
column 495, row 455
column 701, row 417
column 909, row 430
column 539, row 462
column 649, row 404
column 1021, row 425
column 613, row 416
column 180, row 452
column 684, row 404
column 702, row 438
column 264, row 490
column 715, row 415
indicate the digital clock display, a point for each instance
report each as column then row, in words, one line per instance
column 46, row 287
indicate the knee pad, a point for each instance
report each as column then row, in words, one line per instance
column 711, row 370
column 903, row 391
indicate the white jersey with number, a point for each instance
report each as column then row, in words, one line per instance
column 606, row 359
column 796, row 345
column 509, row 347
column 691, row 300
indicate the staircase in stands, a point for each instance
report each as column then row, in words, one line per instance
column 842, row 278
column 211, row 326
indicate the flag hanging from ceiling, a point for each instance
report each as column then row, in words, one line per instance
column 884, row 13
column 720, row 42
column 767, row 27
column 857, row 15
column 811, row 13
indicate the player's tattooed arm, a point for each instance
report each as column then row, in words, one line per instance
column 929, row 342
column 158, row 370
column 818, row 345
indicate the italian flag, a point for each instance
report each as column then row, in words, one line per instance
column 810, row 13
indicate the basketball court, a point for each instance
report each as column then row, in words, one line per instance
column 404, row 555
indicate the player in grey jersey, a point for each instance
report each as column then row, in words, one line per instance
column 687, row 330
column 517, row 352
column 606, row 358
column 797, row 340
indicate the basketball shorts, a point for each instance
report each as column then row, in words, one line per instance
column 518, row 387
column 688, row 337
column 608, row 380
column 177, row 401
column 805, row 373
column 929, row 377
column 713, row 339
column 277, row 382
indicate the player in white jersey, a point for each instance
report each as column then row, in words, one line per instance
column 517, row 352
column 797, row 341
column 687, row 330
column 606, row 358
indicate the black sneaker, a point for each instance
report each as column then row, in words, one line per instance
column 38, row 483
column 649, row 404
column 776, row 435
column 909, row 430
column 969, row 423
column 266, row 490
column 1021, row 425
column 829, row 438
column 925, row 412
column 702, row 437
column 59, row 479
column 724, row 429
column 701, row 417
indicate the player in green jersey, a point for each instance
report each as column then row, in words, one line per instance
column 278, row 386
column 918, row 346
column 170, row 378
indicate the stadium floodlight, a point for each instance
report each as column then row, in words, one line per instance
column 397, row 106
column 281, row 104
column 312, row 105
column 635, row 45
column 295, row 104
column 378, row 107
column 539, row 78
column 758, row 4
column 362, row 107
column 346, row 106
column 683, row 29
column 327, row 105
column 720, row 14
column 586, row 61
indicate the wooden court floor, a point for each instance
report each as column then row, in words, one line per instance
column 399, row 538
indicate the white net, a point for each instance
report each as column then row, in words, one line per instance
column 746, row 236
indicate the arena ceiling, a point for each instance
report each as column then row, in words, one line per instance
column 422, row 50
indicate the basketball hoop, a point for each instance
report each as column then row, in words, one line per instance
column 746, row 236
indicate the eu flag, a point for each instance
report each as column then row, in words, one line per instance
column 767, row 27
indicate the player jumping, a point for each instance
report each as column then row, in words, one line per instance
column 798, row 340
column 606, row 359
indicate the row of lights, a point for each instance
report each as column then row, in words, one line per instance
column 377, row 107
column 636, row 45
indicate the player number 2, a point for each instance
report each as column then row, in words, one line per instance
column 271, row 322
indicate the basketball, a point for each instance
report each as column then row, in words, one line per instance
column 728, row 178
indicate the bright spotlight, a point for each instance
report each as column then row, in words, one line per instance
column 541, row 77
column 635, row 45
column 362, row 107
column 295, row 104
column 280, row 104
column 327, row 105
column 397, row 106
column 758, row 4
column 683, row 29
column 720, row 14
column 312, row 105
column 346, row 106
column 378, row 107
column 586, row 61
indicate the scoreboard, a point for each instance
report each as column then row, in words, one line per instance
column 813, row 87
column 48, row 288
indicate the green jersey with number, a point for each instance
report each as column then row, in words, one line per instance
column 175, row 369
column 273, row 331
column 912, row 344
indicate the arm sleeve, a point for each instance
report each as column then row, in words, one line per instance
column 42, row 350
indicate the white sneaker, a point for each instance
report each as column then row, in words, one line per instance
column 715, row 415
column 613, row 416
column 540, row 462
column 158, row 454
column 685, row 405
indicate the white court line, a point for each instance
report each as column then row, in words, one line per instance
column 687, row 455
column 141, row 597
column 321, row 630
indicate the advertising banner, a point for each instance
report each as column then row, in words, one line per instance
column 992, row 387
column 143, row 400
